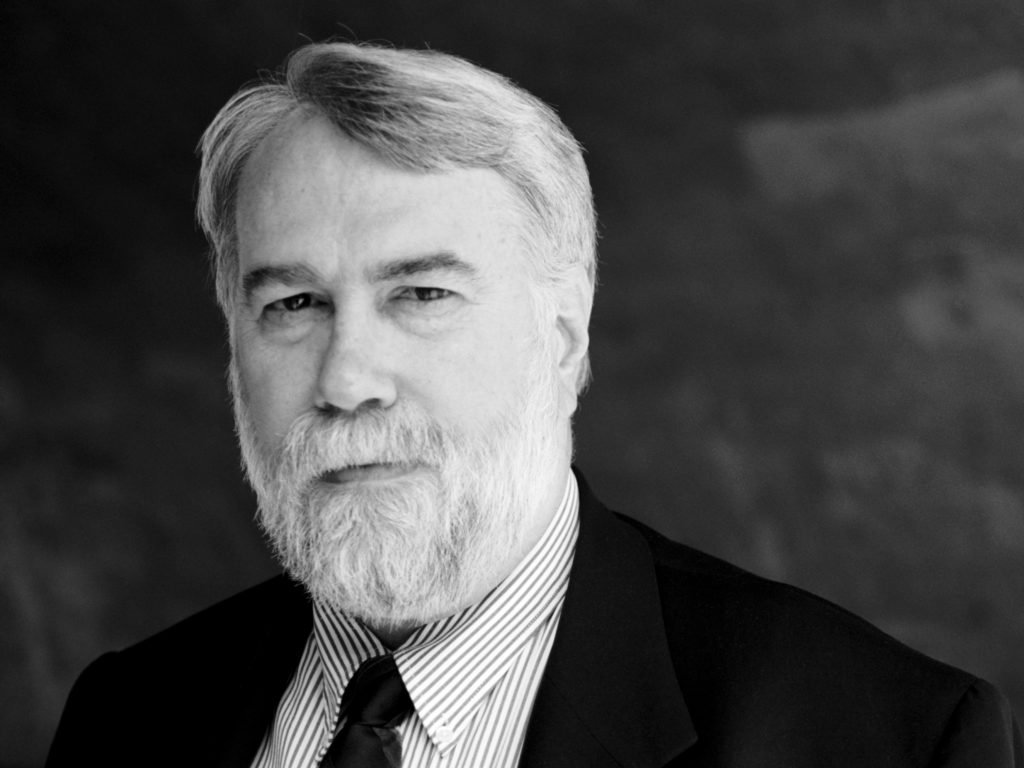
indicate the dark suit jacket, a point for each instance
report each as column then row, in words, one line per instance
column 664, row 657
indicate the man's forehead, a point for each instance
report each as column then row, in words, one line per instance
column 308, row 149
column 303, row 149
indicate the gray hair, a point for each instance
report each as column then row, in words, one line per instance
column 421, row 110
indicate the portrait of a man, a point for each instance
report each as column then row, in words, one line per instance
column 404, row 246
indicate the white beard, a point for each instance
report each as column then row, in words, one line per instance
column 411, row 550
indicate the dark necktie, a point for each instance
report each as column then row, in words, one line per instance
column 375, row 700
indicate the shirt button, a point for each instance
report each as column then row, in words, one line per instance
column 445, row 734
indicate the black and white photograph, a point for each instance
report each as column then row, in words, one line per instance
column 450, row 384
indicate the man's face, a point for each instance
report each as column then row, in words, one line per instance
column 402, row 404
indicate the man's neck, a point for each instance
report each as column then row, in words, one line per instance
column 393, row 637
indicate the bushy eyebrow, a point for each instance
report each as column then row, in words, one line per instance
column 302, row 274
column 443, row 261
column 284, row 274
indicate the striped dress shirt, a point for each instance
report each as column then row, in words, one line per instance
column 472, row 677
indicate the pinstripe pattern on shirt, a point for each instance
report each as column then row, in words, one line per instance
column 472, row 676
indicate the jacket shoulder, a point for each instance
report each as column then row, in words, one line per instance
column 220, row 628
column 754, row 600
column 731, row 609
column 179, row 688
column 766, row 663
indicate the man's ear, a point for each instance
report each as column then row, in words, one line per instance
column 575, row 300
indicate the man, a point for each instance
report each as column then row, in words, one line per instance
column 404, row 251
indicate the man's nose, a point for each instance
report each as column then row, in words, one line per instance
column 353, row 375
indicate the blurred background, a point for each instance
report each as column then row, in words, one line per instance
column 808, row 342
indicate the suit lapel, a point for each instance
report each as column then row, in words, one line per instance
column 609, row 694
column 272, row 657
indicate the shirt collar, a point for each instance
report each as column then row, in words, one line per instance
column 449, row 666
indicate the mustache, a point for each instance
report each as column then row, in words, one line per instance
column 318, row 442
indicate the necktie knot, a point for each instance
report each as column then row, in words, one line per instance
column 375, row 700
column 376, row 695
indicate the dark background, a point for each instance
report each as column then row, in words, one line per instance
column 808, row 342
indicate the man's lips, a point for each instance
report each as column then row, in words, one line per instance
column 367, row 473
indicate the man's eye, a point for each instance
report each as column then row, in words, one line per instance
column 292, row 311
column 293, row 303
column 424, row 294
